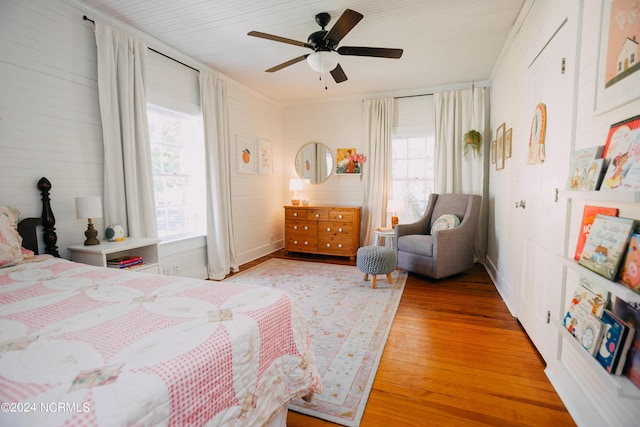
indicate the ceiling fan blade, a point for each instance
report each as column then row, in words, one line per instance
column 338, row 74
column 378, row 52
column 279, row 39
column 286, row 64
column 343, row 25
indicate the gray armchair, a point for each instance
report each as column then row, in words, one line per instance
column 446, row 252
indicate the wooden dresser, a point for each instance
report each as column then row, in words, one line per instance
column 322, row 230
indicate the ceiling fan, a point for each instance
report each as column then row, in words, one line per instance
column 324, row 44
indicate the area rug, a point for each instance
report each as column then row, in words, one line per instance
column 348, row 321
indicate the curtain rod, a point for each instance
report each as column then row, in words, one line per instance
column 152, row 49
column 413, row 96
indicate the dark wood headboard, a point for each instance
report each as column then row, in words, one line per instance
column 28, row 226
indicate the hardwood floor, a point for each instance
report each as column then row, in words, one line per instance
column 454, row 357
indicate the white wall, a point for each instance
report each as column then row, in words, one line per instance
column 50, row 126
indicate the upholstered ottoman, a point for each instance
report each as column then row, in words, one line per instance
column 376, row 260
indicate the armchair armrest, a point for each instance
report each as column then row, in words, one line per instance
column 419, row 227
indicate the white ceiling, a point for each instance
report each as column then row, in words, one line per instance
column 445, row 42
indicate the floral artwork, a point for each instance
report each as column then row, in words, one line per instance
column 265, row 157
column 349, row 162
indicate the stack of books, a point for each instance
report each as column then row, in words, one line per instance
column 126, row 261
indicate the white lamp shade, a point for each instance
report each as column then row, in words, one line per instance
column 323, row 61
column 395, row 206
column 88, row 207
column 295, row 184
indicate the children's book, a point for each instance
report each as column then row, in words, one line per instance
column 630, row 272
column 623, row 172
column 582, row 318
column 606, row 245
column 586, row 170
column 615, row 343
column 629, row 313
column 588, row 215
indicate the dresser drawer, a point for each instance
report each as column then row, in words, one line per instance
column 328, row 228
column 337, row 215
column 302, row 227
column 318, row 214
column 301, row 243
column 295, row 213
column 335, row 244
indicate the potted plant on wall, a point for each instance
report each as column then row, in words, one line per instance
column 473, row 141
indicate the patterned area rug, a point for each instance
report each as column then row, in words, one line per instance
column 349, row 324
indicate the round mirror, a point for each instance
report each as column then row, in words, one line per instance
column 314, row 162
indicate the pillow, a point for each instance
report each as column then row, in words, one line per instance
column 10, row 240
column 445, row 222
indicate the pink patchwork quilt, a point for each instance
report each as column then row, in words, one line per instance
column 83, row 346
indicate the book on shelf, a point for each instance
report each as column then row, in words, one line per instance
column 588, row 215
column 582, row 318
column 606, row 245
column 587, row 169
column 630, row 271
column 623, row 171
column 615, row 343
column 124, row 261
column 629, row 313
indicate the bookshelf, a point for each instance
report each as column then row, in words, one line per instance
column 99, row 254
column 592, row 395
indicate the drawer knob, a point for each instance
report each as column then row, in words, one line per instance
column 306, row 243
column 340, row 216
column 295, row 227
column 328, row 228
column 340, row 230
column 328, row 245
column 306, row 227
column 295, row 214
column 339, row 245
column 317, row 215
column 295, row 242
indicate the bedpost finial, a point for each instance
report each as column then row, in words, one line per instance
column 44, row 184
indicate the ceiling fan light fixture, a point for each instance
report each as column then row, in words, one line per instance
column 323, row 61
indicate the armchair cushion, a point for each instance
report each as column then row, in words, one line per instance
column 420, row 244
column 445, row 222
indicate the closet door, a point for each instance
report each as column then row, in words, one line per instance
column 541, row 218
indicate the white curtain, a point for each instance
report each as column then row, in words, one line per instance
column 457, row 112
column 377, row 169
column 221, row 251
column 128, row 178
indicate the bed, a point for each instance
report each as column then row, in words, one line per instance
column 82, row 345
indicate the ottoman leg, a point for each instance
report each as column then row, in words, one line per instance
column 366, row 277
column 373, row 281
column 389, row 279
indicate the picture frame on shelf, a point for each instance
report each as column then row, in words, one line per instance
column 618, row 75
column 265, row 157
column 500, row 140
column 245, row 154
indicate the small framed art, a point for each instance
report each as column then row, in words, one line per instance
column 265, row 157
column 245, row 153
column 500, row 142
column 508, row 143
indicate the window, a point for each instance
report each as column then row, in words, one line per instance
column 177, row 155
column 413, row 174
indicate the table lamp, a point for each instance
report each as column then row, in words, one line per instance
column 394, row 207
column 89, row 207
column 295, row 185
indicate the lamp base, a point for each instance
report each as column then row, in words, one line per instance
column 91, row 235
column 295, row 202
column 394, row 221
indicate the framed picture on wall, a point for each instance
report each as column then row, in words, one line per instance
column 245, row 153
column 618, row 79
column 508, row 143
column 265, row 157
column 347, row 161
column 500, row 142
column 493, row 152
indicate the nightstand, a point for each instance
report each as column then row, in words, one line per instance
column 100, row 254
